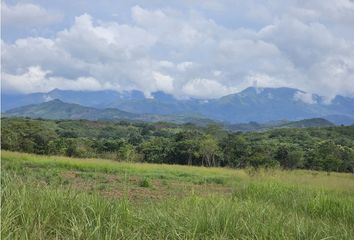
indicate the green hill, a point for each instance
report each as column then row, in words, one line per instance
column 313, row 122
column 57, row 109
column 305, row 123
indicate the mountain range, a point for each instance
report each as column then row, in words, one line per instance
column 260, row 105
column 58, row 110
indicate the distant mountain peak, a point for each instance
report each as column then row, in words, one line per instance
column 56, row 100
column 160, row 95
column 257, row 104
column 55, row 91
column 267, row 90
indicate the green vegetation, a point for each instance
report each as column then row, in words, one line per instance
column 47, row 197
column 327, row 149
column 56, row 109
column 254, row 126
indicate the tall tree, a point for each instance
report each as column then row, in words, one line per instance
column 209, row 150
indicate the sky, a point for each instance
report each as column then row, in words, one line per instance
column 188, row 48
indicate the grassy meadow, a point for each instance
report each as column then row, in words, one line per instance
column 47, row 197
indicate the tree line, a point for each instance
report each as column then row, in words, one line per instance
column 328, row 149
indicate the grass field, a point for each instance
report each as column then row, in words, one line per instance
column 47, row 197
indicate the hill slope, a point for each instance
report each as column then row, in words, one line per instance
column 57, row 109
column 314, row 122
column 252, row 104
column 254, row 126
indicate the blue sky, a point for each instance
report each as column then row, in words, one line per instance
column 202, row 49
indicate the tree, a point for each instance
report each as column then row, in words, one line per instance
column 71, row 149
column 57, row 146
column 216, row 130
column 156, row 150
column 135, row 138
column 328, row 155
column 260, row 156
column 127, row 152
column 186, row 152
column 209, row 150
column 186, row 148
column 10, row 139
column 235, row 150
column 289, row 156
column 107, row 145
column 347, row 156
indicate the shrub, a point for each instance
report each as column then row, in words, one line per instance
column 145, row 182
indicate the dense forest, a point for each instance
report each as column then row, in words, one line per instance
column 328, row 149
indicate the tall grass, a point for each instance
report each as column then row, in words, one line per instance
column 336, row 181
column 255, row 212
column 270, row 205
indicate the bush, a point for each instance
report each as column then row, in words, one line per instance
column 145, row 182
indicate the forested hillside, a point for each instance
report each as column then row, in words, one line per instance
column 252, row 104
column 330, row 149
column 58, row 110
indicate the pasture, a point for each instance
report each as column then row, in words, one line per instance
column 48, row 197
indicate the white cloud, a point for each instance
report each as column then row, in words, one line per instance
column 206, row 88
column 166, row 64
column 104, row 41
column 304, row 97
column 304, row 44
column 217, row 73
column 183, row 66
column 112, row 54
column 333, row 75
column 163, row 82
column 35, row 79
column 201, row 52
column 264, row 80
column 24, row 15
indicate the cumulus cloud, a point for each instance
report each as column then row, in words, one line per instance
column 206, row 88
column 202, row 52
column 183, row 66
column 305, row 97
column 36, row 79
column 103, row 52
column 24, row 15
column 163, row 82
column 264, row 80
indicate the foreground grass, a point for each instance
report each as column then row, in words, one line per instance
column 40, row 200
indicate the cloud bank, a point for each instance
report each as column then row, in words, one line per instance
column 185, row 49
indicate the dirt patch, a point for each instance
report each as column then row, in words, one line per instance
column 68, row 174
column 116, row 186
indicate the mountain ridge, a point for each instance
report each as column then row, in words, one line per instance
column 252, row 104
column 59, row 110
